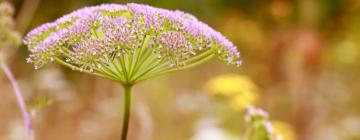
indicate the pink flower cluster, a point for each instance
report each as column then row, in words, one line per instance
column 91, row 37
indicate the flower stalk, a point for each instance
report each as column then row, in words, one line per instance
column 20, row 99
column 127, row 108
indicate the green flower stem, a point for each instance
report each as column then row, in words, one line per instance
column 138, row 54
column 104, row 69
column 127, row 105
column 146, row 55
column 145, row 64
column 128, row 61
column 188, row 62
column 114, row 78
column 199, row 61
column 149, row 69
column 118, row 69
column 123, row 67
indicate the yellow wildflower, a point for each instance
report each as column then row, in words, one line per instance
column 240, row 89
column 244, row 100
column 284, row 130
column 231, row 84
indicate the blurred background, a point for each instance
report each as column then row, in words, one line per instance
column 301, row 56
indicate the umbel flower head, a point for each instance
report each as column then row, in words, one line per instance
column 128, row 43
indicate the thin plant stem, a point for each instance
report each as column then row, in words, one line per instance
column 127, row 106
column 20, row 99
